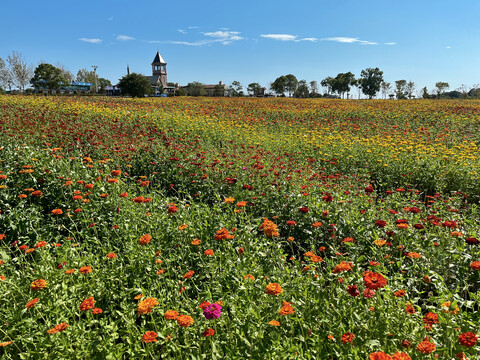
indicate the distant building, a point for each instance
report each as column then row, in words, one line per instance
column 215, row 89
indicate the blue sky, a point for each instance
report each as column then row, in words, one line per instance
column 424, row 41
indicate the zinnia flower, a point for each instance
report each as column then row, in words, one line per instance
column 273, row 289
column 149, row 336
column 170, row 314
column 373, row 280
column 188, row 274
column 212, row 311
column 85, row 270
column 468, row 339
column 348, row 337
column 145, row 306
column 38, row 284
column 58, row 328
column 286, row 309
column 343, row 266
column 208, row 332
column 426, row 347
column 57, row 212
column 87, row 304
column 274, row 323
column 145, row 239
column 379, row 355
column 401, row 356
column 31, row 303
column 184, row 320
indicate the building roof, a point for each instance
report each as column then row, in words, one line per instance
column 159, row 59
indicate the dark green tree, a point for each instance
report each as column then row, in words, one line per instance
column 328, row 84
column 196, row 89
column 342, row 82
column 370, row 80
column 135, row 85
column 302, row 90
column 409, row 89
column 236, row 89
column 441, row 87
column 219, row 90
column 313, row 88
column 48, row 77
column 425, row 93
column 291, row 84
column 254, row 89
column 278, row 86
column 102, row 84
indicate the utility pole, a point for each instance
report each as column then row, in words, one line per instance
column 95, row 73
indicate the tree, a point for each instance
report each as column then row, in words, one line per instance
column 441, row 87
column 219, row 90
column 302, row 89
column 313, row 88
column 279, row 85
column 20, row 71
column 342, row 82
column 5, row 76
column 67, row 74
column 327, row 83
column 48, row 77
column 425, row 94
column 236, row 88
column 370, row 80
column 196, row 89
column 409, row 89
column 401, row 89
column 254, row 89
column 386, row 87
column 135, row 85
column 290, row 84
column 102, row 84
column 86, row 76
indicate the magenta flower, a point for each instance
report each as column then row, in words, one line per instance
column 212, row 311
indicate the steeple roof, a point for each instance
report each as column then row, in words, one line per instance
column 159, row 59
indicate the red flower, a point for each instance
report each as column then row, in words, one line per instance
column 426, row 347
column 303, row 209
column 291, row 223
column 208, row 332
column 353, row 290
column 348, row 337
column 373, row 280
column 381, row 223
column 379, row 355
column 468, row 339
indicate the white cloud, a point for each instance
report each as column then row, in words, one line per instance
column 125, row 38
column 280, row 37
column 182, row 31
column 349, row 40
column 448, row 47
column 110, row 18
column 391, row 43
column 220, row 36
column 92, row 41
column 312, row 39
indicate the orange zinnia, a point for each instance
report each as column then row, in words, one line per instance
column 184, row 320
column 38, row 284
column 57, row 212
column 145, row 239
column 87, row 304
column 58, row 328
column 273, row 289
column 145, row 306
column 85, row 270
column 31, row 303
column 170, row 314
column 149, row 336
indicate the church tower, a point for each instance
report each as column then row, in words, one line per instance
column 159, row 69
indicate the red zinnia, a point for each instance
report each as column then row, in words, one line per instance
column 468, row 339
column 373, row 280
column 348, row 337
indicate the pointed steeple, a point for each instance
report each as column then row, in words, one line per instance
column 158, row 59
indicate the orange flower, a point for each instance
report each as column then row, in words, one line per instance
column 241, row 204
column 87, row 304
column 401, row 356
column 410, row 309
column 145, row 239
column 273, row 289
column 373, row 280
column 274, row 323
column 270, row 229
column 97, row 311
column 57, row 212
column 116, row 173
column 402, row 226
column 223, row 235
column 208, row 252
column 426, row 347
column 196, row 242
column 229, row 200
column 182, row 227
column 38, row 284
column 6, row 343
column 249, row 277
column 468, row 339
column 41, row 244
column 413, row 255
column 137, row 297
column 348, row 337
column 317, row 224
column 286, row 309
column 170, row 314
column 149, row 336
column 160, row 271
column 85, row 270
column 37, row 193
column 69, row 271
column 475, row 265
column 111, row 255
column 188, row 274
column 343, row 266
column 58, row 328
column 184, row 320
column 400, row 293
column 31, row 303
column 145, row 306
column 379, row 355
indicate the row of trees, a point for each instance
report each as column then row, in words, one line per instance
column 16, row 73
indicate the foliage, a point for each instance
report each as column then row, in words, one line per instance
column 302, row 90
column 20, row 71
column 441, row 87
column 238, row 228
column 236, row 88
column 370, row 80
column 196, row 89
column 135, row 85
column 254, row 89
column 48, row 77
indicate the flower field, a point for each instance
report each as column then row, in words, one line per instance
column 239, row 228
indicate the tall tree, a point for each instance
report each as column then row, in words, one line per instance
column 86, row 76
column 102, row 84
column 236, row 88
column 342, row 83
column 328, row 83
column 48, row 77
column 425, row 94
column 278, row 86
column 410, row 88
column 401, row 89
column 441, row 87
column 20, row 70
column 386, row 87
column 67, row 74
column 291, row 84
column 254, row 89
column 313, row 88
column 196, row 89
column 370, row 80
column 135, row 85
column 302, row 90
column 5, row 76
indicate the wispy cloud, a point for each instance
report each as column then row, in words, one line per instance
column 350, row 40
column 110, row 18
column 391, row 43
column 221, row 36
column 124, row 38
column 448, row 47
column 182, row 31
column 92, row 41
column 287, row 37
